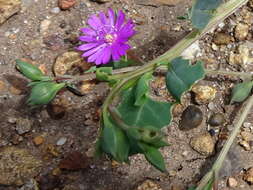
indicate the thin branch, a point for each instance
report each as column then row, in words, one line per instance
column 218, row 164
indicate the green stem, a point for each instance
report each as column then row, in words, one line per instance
column 218, row 164
column 230, row 73
column 117, row 73
column 117, row 119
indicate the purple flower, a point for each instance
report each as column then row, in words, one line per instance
column 106, row 37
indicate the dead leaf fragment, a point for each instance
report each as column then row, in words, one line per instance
column 74, row 161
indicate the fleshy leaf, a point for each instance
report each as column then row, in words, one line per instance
column 181, row 76
column 153, row 156
column 202, row 12
column 151, row 113
column 115, row 141
column 31, row 71
column 241, row 91
column 141, row 89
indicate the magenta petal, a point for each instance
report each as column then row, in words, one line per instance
column 94, row 22
column 103, row 18
column 93, row 57
column 92, row 51
column 120, row 20
column 88, row 31
column 107, row 55
column 99, row 59
column 88, row 46
column 87, row 38
column 115, row 55
column 123, row 48
column 111, row 15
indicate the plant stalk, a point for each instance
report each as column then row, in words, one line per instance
column 229, row 73
column 218, row 163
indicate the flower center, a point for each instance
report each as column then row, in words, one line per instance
column 110, row 38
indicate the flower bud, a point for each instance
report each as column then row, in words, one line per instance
column 31, row 71
column 44, row 92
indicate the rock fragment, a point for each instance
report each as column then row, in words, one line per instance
column 66, row 4
column 222, row 39
column 203, row 93
column 17, row 166
column 148, row 185
column 248, row 176
column 8, row 8
column 241, row 31
column 23, row 125
column 232, row 182
column 203, row 144
column 191, row 118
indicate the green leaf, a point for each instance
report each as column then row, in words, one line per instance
column 153, row 156
column 141, row 89
column 200, row 18
column 31, row 71
column 207, row 4
column 241, row 91
column 181, row 76
column 202, row 12
column 44, row 92
column 115, row 141
column 151, row 113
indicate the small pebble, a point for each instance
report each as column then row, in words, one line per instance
column 66, row 4
column 23, row 126
column 55, row 10
column 241, row 31
column 248, row 176
column 203, row 93
column 12, row 120
column 247, row 124
column 245, row 145
column 247, row 136
column 38, row 140
column 232, row 182
column 203, row 144
column 191, row 118
column 216, row 119
column 148, row 185
column 222, row 39
column 44, row 25
column 61, row 141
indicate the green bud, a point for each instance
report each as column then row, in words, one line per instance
column 31, row 71
column 44, row 92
